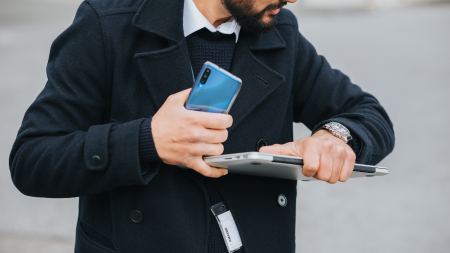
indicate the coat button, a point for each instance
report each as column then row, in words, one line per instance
column 261, row 143
column 96, row 159
column 282, row 200
column 136, row 216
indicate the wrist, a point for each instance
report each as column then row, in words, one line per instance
column 337, row 130
column 325, row 134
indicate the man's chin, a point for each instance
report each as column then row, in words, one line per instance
column 268, row 20
column 258, row 25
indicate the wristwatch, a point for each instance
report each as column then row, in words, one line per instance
column 338, row 130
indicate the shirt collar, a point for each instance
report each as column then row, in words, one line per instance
column 193, row 20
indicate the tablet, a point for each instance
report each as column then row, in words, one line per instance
column 278, row 166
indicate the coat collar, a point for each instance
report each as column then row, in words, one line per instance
column 165, row 18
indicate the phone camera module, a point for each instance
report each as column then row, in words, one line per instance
column 205, row 76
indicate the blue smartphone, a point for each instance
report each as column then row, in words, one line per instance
column 215, row 90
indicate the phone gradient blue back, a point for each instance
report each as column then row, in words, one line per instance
column 216, row 93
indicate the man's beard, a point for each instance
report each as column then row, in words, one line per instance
column 243, row 12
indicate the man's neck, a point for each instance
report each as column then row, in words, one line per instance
column 213, row 10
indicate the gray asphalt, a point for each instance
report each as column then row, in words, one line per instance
column 400, row 55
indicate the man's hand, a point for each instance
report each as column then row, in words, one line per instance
column 183, row 137
column 325, row 156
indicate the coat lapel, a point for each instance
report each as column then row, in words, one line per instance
column 165, row 70
column 258, row 79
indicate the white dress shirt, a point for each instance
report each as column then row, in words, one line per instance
column 193, row 20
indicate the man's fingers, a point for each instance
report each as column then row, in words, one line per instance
column 210, row 120
column 336, row 170
column 338, row 154
column 311, row 162
column 325, row 170
column 214, row 136
column 347, row 167
column 346, row 172
column 201, row 135
column 203, row 168
column 204, row 149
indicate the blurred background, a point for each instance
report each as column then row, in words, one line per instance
column 399, row 50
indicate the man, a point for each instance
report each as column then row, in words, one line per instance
column 110, row 126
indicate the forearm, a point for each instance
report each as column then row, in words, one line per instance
column 324, row 94
column 78, row 163
column 370, row 128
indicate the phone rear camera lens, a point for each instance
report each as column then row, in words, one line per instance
column 205, row 76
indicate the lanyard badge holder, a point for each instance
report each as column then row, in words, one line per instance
column 227, row 226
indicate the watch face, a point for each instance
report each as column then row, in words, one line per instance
column 338, row 130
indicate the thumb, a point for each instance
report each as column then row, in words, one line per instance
column 276, row 149
column 286, row 149
column 183, row 95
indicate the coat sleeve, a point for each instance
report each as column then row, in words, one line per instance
column 323, row 94
column 66, row 146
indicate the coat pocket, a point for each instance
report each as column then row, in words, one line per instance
column 90, row 241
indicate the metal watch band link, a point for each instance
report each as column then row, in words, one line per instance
column 338, row 130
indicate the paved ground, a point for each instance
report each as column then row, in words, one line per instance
column 400, row 55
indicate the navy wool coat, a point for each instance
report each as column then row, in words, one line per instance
column 114, row 67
